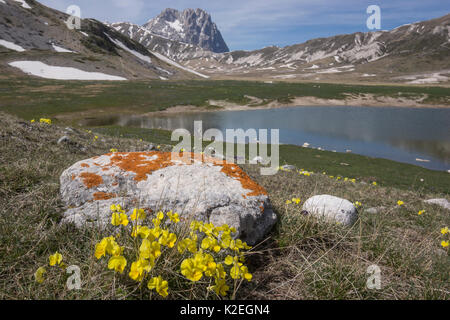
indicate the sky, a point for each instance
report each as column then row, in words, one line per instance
column 255, row 24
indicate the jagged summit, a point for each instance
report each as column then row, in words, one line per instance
column 192, row 26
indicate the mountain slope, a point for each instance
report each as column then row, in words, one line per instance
column 415, row 53
column 35, row 39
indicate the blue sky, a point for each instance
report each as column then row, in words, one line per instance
column 254, row 24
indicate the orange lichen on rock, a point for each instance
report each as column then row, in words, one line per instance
column 139, row 163
column 142, row 164
column 91, row 180
column 85, row 165
column 234, row 171
column 104, row 196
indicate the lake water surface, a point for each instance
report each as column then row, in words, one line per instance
column 401, row 134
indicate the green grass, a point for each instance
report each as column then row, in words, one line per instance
column 302, row 258
column 384, row 172
column 33, row 98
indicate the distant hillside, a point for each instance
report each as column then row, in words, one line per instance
column 35, row 39
column 415, row 53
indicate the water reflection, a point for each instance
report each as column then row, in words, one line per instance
column 399, row 134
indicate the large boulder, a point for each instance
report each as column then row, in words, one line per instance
column 331, row 208
column 206, row 189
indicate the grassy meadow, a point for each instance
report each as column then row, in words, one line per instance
column 31, row 98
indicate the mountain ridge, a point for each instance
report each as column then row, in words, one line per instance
column 413, row 53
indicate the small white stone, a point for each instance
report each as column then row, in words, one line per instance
column 331, row 208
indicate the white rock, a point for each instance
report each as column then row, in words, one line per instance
column 444, row 203
column 201, row 190
column 375, row 210
column 331, row 208
column 63, row 139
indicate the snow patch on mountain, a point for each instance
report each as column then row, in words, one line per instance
column 43, row 70
column 133, row 52
column 175, row 64
column 11, row 45
column 23, row 4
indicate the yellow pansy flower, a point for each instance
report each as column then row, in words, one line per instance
column 168, row 239
column 161, row 286
column 117, row 263
column 400, row 203
column 55, row 259
column 39, row 274
column 138, row 214
column 421, row 212
column 174, row 217
column 118, row 219
column 149, row 250
column 138, row 269
column 444, row 244
column 444, row 230
column 220, row 288
column 47, row 121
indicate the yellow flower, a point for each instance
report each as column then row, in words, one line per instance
column 400, row 203
column 193, row 268
column 358, row 204
column 189, row 244
column 55, row 259
column 117, row 263
column 421, row 212
column 138, row 214
column 160, row 215
column 39, row 274
column 47, row 121
column 107, row 245
column 245, row 274
column 138, row 269
column 174, row 217
column 168, row 239
column 444, row 230
column 374, row 183
column 220, row 271
column 288, row 201
column 220, row 288
column 115, row 208
column 296, row 200
column 161, row 286
column 119, row 219
column 235, row 272
column 229, row 260
column 113, row 150
column 143, row 232
column 444, row 244
column 33, row 121
column 149, row 250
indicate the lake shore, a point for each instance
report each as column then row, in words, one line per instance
column 367, row 100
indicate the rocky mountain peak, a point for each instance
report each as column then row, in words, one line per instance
column 192, row 26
